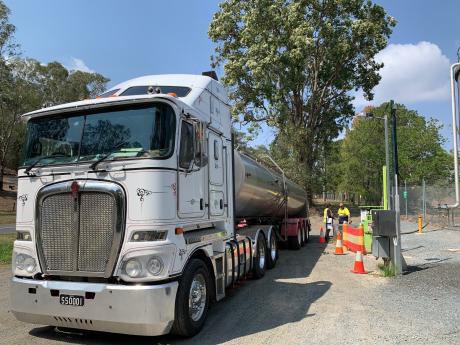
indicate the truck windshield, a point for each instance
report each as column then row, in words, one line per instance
column 145, row 131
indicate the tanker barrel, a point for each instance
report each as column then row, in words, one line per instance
column 259, row 191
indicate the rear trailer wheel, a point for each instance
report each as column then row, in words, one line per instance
column 192, row 299
column 272, row 256
column 302, row 231
column 260, row 257
column 295, row 242
column 307, row 233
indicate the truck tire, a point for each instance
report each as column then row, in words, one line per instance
column 302, row 231
column 295, row 242
column 192, row 299
column 307, row 233
column 272, row 256
column 260, row 257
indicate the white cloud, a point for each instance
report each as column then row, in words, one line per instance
column 78, row 65
column 411, row 73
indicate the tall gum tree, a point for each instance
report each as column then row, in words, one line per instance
column 294, row 64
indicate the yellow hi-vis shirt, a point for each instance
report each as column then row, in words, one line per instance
column 343, row 212
column 325, row 214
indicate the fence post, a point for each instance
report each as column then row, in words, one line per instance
column 423, row 200
column 405, row 195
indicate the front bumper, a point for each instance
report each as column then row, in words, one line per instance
column 129, row 309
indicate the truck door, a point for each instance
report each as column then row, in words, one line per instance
column 191, row 191
column 217, row 165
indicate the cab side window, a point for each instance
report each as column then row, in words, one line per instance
column 186, row 150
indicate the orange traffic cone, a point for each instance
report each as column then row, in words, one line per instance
column 359, row 265
column 322, row 238
column 338, row 245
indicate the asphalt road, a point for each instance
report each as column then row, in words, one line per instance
column 7, row 228
column 311, row 298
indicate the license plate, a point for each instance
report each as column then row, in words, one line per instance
column 75, row 301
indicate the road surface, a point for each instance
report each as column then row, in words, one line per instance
column 310, row 298
column 7, row 228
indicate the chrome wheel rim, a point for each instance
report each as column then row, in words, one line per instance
column 273, row 248
column 197, row 297
column 261, row 250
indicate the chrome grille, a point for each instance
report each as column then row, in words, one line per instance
column 97, row 225
column 59, row 232
column 80, row 234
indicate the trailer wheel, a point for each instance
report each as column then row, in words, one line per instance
column 295, row 242
column 307, row 233
column 260, row 257
column 192, row 299
column 302, row 231
column 272, row 256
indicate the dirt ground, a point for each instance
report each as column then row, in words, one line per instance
column 311, row 297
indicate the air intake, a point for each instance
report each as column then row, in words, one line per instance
column 210, row 74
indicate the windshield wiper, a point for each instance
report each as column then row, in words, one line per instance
column 56, row 155
column 111, row 152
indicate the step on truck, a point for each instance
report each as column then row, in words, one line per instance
column 135, row 212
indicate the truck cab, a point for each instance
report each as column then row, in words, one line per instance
column 108, row 192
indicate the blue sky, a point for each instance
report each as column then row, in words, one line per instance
column 123, row 40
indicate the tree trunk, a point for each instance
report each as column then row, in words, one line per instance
column 2, row 171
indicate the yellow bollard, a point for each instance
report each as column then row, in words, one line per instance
column 420, row 224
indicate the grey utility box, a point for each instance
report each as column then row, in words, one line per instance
column 381, row 246
column 383, row 223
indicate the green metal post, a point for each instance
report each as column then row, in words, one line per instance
column 385, row 192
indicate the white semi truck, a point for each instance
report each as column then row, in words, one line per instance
column 135, row 212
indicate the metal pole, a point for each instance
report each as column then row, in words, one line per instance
column 397, row 259
column 385, row 188
column 423, row 200
column 387, row 162
column 405, row 195
column 454, row 76
column 233, row 186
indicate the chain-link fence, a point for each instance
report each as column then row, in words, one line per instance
column 431, row 202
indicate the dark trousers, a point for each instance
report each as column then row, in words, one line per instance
column 343, row 219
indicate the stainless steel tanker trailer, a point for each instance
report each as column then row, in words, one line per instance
column 135, row 213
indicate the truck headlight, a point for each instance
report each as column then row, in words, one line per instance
column 133, row 268
column 25, row 263
column 155, row 265
column 147, row 264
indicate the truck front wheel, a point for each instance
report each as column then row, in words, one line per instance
column 192, row 299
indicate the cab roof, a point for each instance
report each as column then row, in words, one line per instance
column 197, row 83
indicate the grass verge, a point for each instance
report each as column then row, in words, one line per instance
column 387, row 269
column 7, row 217
column 6, row 247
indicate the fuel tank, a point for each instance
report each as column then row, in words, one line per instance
column 259, row 191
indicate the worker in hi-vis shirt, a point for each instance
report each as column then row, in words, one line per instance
column 328, row 221
column 344, row 214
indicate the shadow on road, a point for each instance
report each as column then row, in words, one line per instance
column 283, row 296
column 432, row 263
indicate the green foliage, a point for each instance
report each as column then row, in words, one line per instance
column 6, row 247
column 26, row 85
column 387, row 269
column 293, row 64
column 420, row 153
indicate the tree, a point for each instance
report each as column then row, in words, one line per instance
column 293, row 64
column 27, row 85
column 8, row 49
column 420, row 153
